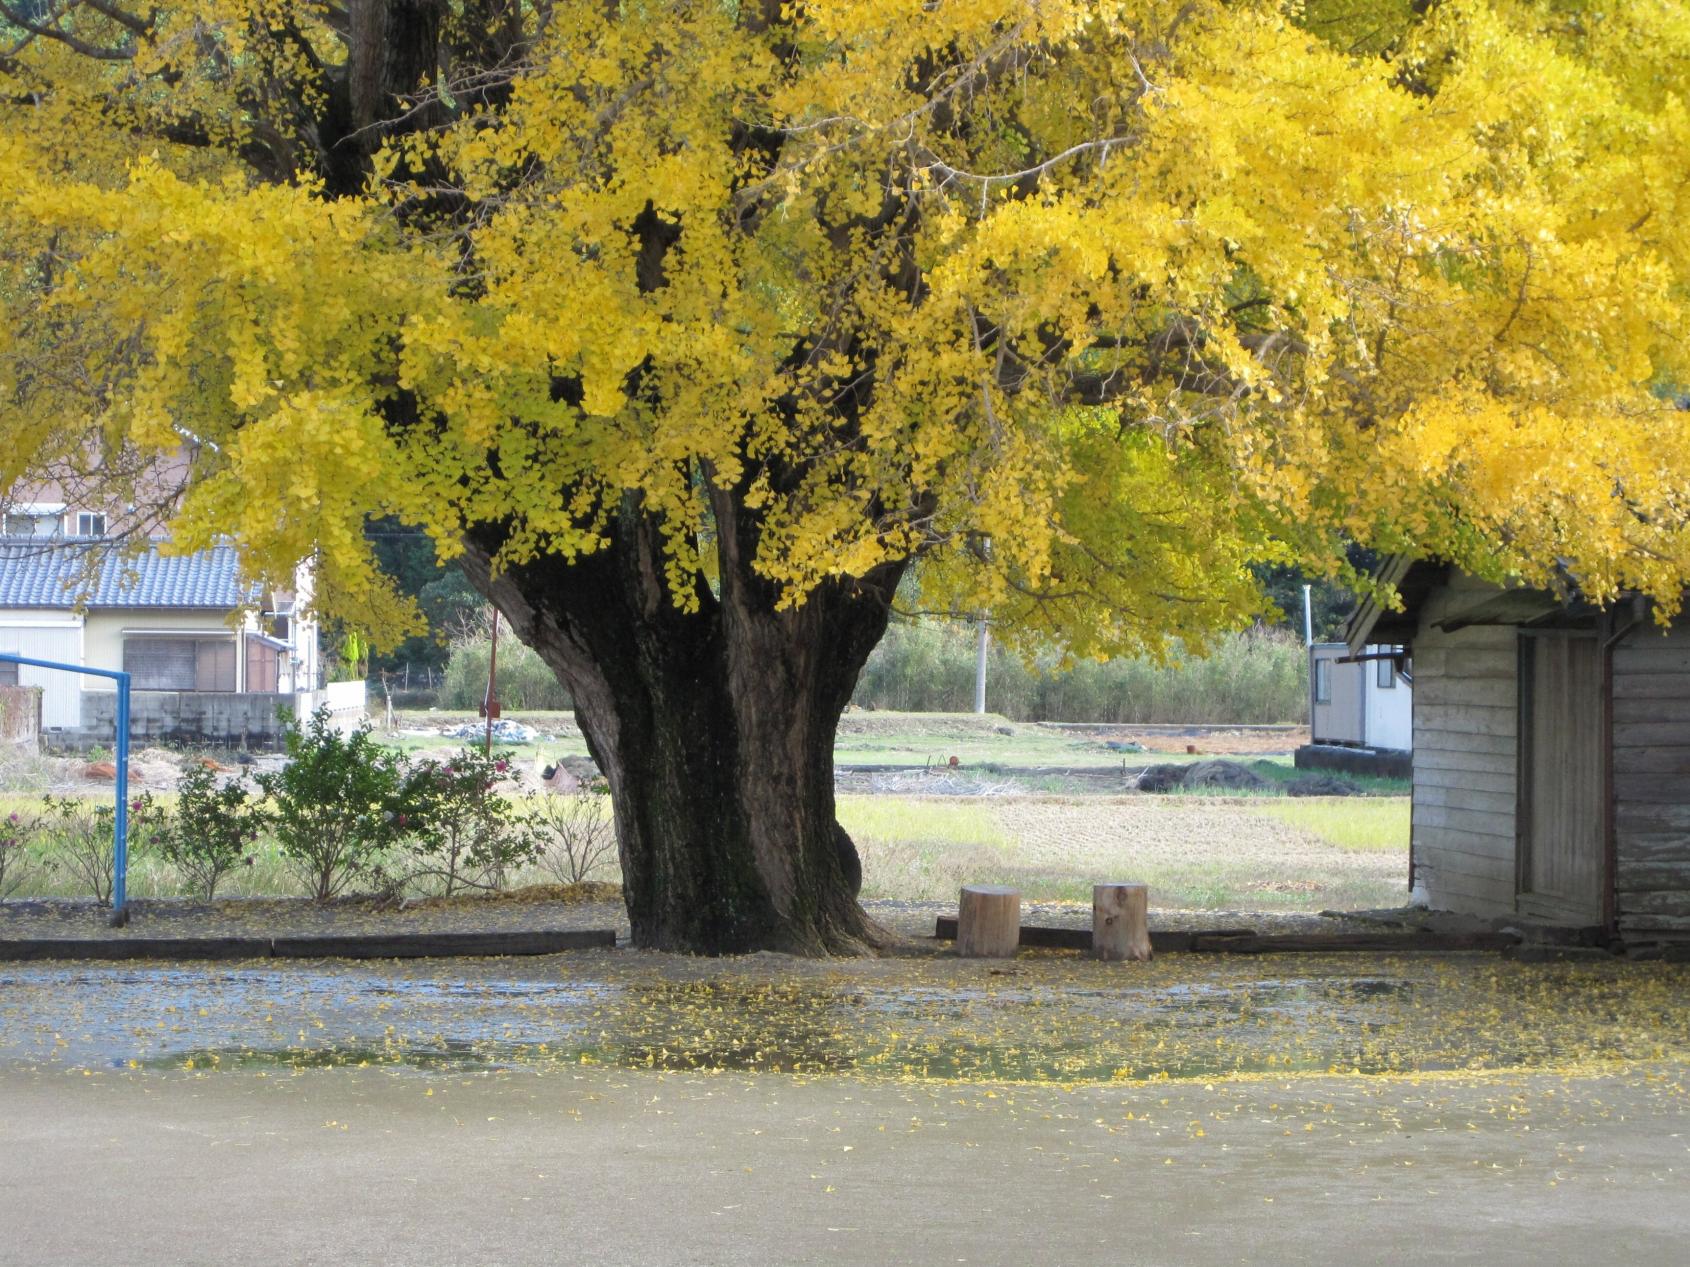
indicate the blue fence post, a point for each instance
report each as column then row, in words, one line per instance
column 120, row 829
column 120, row 820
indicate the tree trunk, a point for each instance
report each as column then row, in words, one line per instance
column 715, row 729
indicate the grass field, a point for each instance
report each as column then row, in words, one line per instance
column 1050, row 834
column 1217, row 853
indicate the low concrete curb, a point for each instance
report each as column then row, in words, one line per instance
column 338, row 946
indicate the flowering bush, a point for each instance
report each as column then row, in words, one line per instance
column 212, row 830
column 463, row 828
column 86, row 838
column 338, row 807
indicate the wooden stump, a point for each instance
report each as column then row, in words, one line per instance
column 988, row 922
column 1120, row 921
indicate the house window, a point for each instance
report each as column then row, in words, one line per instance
column 180, row 664
column 8, row 673
column 1387, row 678
column 24, row 524
column 1323, row 681
column 90, row 524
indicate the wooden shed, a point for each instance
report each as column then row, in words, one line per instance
column 1551, row 754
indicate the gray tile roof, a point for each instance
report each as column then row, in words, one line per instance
column 70, row 573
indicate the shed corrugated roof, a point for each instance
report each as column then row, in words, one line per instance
column 84, row 573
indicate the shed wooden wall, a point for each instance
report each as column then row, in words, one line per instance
column 1652, row 784
column 1466, row 723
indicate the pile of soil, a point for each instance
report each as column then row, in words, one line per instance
column 1321, row 785
column 1206, row 774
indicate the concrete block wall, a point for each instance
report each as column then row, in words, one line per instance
column 210, row 719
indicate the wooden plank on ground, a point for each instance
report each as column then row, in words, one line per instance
column 1161, row 941
column 441, row 945
column 1351, row 943
column 15, row 948
column 1248, row 941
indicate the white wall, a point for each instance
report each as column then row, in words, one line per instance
column 48, row 635
column 1390, row 709
column 104, row 636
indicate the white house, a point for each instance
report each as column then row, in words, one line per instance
column 211, row 657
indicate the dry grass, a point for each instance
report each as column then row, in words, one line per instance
column 1215, row 854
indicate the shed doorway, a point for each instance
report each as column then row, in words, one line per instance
column 1562, row 781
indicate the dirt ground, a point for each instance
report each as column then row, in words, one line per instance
column 1208, row 740
column 367, row 1167
column 611, row 1107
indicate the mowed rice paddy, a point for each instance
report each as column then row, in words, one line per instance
column 1222, row 853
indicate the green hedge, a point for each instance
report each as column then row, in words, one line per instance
column 929, row 667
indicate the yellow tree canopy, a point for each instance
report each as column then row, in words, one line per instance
column 1091, row 303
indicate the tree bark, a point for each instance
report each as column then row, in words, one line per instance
column 714, row 728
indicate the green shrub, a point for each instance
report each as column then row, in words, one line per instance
column 212, row 830
column 462, row 828
column 1255, row 677
column 337, row 807
column 524, row 681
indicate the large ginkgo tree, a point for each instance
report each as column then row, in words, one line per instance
column 688, row 325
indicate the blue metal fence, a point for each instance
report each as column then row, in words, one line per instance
column 120, row 824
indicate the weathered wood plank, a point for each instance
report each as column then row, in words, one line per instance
column 1656, row 902
column 1455, row 796
column 1351, row 943
column 1659, row 760
column 1434, row 734
column 1651, row 846
column 1644, row 921
column 1474, row 780
column 1489, row 869
column 1466, row 821
column 1633, row 816
column 1470, row 662
column 1652, row 686
column 125, row 947
column 1161, row 941
column 1440, row 761
column 1436, row 842
column 1464, row 691
column 1668, row 789
column 1649, row 734
column 1652, row 709
column 1451, row 719
column 1639, row 875
column 1249, row 942
column 437, row 945
column 1658, row 655
column 1458, row 893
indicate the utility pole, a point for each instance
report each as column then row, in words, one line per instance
column 980, row 665
column 490, row 702
column 1308, row 617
